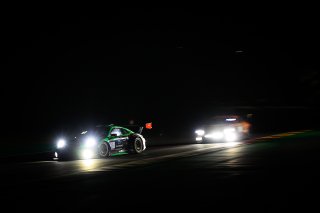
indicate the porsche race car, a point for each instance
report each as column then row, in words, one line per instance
column 101, row 141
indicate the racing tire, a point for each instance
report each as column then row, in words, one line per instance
column 104, row 150
column 137, row 145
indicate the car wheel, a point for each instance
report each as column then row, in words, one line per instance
column 137, row 146
column 104, row 150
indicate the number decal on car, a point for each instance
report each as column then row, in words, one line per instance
column 112, row 145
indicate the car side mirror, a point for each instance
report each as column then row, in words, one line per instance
column 114, row 135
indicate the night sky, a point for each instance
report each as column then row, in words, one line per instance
column 63, row 68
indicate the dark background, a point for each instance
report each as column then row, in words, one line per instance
column 67, row 68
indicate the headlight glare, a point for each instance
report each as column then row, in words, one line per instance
column 200, row 132
column 61, row 143
column 231, row 136
column 199, row 138
column 228, row 130
column 87, row 154
column 217, row 135
column 90, row 142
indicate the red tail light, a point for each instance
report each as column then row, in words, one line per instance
column 148, row 125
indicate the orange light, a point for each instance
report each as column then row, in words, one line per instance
column 148, row 125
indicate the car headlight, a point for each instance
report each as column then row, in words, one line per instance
column 199, row 138
column 90, row 142
column 228, row 130
column 216, row 135
column 61, row 143
column 200, row 132
column 230, row 134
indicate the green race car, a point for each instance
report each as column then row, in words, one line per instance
column 101, row 141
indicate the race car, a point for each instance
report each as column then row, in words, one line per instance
column 101, row 141
column 225, row 128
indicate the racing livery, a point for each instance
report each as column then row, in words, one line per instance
column 101, row 141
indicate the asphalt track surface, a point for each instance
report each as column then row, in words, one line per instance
column 274, row 173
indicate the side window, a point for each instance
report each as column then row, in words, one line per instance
column 124, row 132
column 116, row 131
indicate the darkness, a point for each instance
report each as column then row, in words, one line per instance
column 168, row 65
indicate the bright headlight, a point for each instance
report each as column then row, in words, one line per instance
column 231, row 136
column 90, row 142
column 200, row 132
column 216, row 135
column 198, row 138
column 228, row 130
column 61, row 143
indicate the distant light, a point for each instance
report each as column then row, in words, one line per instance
column 56, row 154
column 84, row 132
column 198, row 138
column 200, row 132
column 239, row 51
column 61, row 143
column 231, row 119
